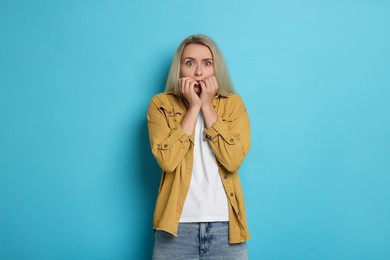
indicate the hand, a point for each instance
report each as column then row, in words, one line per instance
column 209, row 88
column 186, row 88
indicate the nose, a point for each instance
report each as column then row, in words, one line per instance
column 198, row 71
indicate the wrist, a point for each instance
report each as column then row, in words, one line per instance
column 207, row 106
column 194, row 107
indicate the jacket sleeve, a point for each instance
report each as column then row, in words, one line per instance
column 169, row 146
column 229, row 138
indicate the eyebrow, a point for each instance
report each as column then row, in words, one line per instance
column 195, row 59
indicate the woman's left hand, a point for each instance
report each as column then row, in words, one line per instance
column 209, row 89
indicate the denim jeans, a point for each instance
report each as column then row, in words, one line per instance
column 204, row 240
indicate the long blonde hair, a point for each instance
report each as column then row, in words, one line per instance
column 225, row 86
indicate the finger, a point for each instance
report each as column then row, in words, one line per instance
column 206, row 83
column 213, row 83
column 192, row 85
column 181, row 85
column 214, row 79
column 187, row 86
column 202, row 85
column 184, row 78
column 195, row 82
column 209, row 85
column 187, row 83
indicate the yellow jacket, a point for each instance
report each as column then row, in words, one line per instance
column 229, row 139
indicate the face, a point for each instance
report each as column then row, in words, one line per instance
column 197, row 63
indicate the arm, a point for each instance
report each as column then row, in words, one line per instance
column 169, row 146
column 231, row 143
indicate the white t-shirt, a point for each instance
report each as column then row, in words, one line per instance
column 206, row 200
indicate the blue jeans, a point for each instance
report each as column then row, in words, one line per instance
column 204, row 240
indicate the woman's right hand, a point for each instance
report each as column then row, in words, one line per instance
column 186, row 88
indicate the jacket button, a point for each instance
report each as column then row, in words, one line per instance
column 225, row 177
column 232, row 194
column 231, row 140
column 165, row 145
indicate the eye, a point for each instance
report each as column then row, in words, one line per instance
column 207, row 63
column 189, row 63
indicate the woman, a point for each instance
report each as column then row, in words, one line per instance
column 199, row 134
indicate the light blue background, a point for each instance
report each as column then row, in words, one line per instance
column 78, row 181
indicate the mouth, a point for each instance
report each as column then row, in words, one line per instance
column 197, row 89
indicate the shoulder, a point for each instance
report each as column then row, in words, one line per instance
column 232, row 102
column 164, row 99
column 159, row 97
column 234, row 98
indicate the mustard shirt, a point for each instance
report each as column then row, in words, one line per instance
column 229, row 139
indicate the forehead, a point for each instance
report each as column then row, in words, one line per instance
column 196, row 50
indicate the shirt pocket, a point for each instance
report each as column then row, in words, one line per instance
column 172, row 115
column 228, row 119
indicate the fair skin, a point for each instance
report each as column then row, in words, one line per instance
column 198, row 85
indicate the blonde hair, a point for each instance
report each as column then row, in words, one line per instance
column 225, row 86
